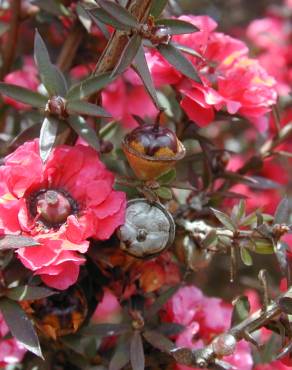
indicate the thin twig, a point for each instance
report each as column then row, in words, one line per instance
column 12, row 39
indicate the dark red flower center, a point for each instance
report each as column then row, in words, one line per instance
column 51, row 206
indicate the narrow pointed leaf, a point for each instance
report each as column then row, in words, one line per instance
column 157, row 7
column 282, row 212
column 100, row 15
column 23, row 95
column 89, row 86
column 105, row 330
column 85, row 131
column 137, row 357
column 16, row 241
column 50, row 75
column 159, row 341
column 54, row 7
column 99, row 22
column 241, row 308
column 20, row 326
column 84, row 17
column 168, row 177
column 245, row 256
column 187, row 50
column 161, row 300
column 177, row 26
column 48, row 137
column 141, row 67
column 27, row 293
column 83, row 107
column 224, row 219
column 128, row 55
column 119, row 12
column 121, row 356
column 179, row 61
column 109, row 128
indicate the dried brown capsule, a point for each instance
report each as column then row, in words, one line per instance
column 148, row 230
column 152, row 150
column 60, row 314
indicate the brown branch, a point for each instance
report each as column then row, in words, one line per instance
column 12, row 39
column 71, row 46
column 140, row 10
column 207, row 357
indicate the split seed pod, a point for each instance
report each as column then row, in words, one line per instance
column 148, row 230
column 152, row 151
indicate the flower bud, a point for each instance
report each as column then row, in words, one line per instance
column 148, row 230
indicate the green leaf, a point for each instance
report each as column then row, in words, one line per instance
column 23, row 95
column 241, row 308
column 167, row 177
column 128, row 55
column 122, row 354
column 157, row 7
column 211, row 239
column 48, row 136
column 101, row 16
column 83, row 16
column 142, row 69
column 51, row 76
column 137, row 357
column 20, row 326
column 89, row 86
column 224, row 219
column 119, row 13
column 187, row 50
column 179, row 61
column 161, row 300
column 16, row 241
column 249, row 219
column 264, row 246
column 282, row 212
column 85, row 108
column 85, row 131
column 245, row 256
column 177, row 26
column 159, row 341
column 52, row 7
column 107, row 129
column 105, row 330
column 27, row 293
column 164, row 193
column 238, row 212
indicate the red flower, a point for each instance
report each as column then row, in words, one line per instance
column 61, row 203
column 123, row 98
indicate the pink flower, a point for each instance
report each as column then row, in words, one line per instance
column 203, row 318
column 26, row 77
column 230, row 80
column 61, row 204
column 108, row 310
column 11, row 351
column 266, row 32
